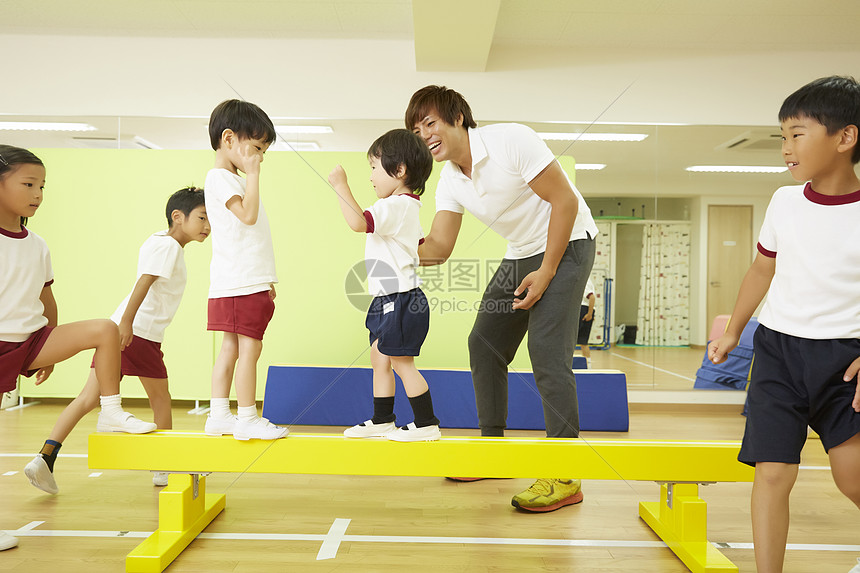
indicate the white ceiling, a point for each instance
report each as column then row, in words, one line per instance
column 155, row 69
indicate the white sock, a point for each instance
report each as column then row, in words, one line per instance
column 219, row 408
column 247, row 413
column 111, row 405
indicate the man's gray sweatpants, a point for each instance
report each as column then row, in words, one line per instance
column 552, row 324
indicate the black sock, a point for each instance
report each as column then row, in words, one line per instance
column 383, row 410
column 422, row 407
column 49, row 452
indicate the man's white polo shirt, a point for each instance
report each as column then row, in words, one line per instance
column 505, row 158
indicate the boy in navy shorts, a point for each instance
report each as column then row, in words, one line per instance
column 142, row 319
column 399, row 317
column 242, row 272
column 807, row 349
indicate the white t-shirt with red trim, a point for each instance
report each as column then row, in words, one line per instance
column 589, row 291
column 815, row 238
column 243, row 257
column 25, row 269
column 505, row 158
column 391, row 250
column 162, row 256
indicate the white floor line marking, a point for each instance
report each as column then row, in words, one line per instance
column 28, row 531
column 30, row 455
column 653, row 367
column 95, row 474
column 328, row 549
column 815, row 468
column 11, row 473
column 30, row 526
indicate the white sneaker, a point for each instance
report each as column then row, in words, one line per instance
column 7, row 541
column 220, row 426
column 258, row 429
column 369, row 430
column 40, row 475
column 124, row 422
column 411, row 433
column 856, row 568
column 159, row 479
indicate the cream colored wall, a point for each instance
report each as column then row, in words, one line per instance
column 100, row 205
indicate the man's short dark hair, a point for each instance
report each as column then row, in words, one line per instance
column 402, row 147
column 246, row 120
column 185, row 200
column 447, row 104
column 834, row 102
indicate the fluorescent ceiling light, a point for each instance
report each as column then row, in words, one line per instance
column 558, row 136
column 736, row 169
column 282, row 145
column 290, row 129
column 654, row 123
column 590, row 166
column 44, row 126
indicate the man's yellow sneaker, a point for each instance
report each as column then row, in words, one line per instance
column 549, row 495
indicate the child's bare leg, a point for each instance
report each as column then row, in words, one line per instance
column 586, row 351
column 159, row 400
column 413, row 381
column 40, row 470
column 225, row 363
column 383, row 375
column 85, row 403
column 845, row 466
column 770, row 513
column 249, row 425
column 246, row 370
column 67, row 340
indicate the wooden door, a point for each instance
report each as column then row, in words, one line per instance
column 730, row 252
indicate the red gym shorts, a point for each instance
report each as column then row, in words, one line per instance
column 142, row 358
column 247, row 315
column 16, row 357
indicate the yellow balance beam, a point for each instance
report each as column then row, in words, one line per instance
column 666, row 461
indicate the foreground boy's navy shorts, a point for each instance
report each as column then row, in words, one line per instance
column 798, row 382
column 399, row 321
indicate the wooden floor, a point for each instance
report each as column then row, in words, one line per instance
column 652, row 368
column 279, row 522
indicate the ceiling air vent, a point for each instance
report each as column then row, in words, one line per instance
column 134, row 142
column 753, row 140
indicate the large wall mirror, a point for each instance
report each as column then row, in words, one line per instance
column 677, row 231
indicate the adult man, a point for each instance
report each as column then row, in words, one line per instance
column 507, row 177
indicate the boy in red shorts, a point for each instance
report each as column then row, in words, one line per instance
column 142, row 318
column 242, row 272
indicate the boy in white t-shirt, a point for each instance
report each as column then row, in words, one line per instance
column 142, row 318
column 399, row 317
column 242, row 272
column 807, row 347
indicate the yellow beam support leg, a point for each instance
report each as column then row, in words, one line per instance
column 680, row 519
column 184, row 510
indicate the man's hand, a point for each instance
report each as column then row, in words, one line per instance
column 536, row 282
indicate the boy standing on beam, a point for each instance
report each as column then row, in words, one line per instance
column 242, row 272
column 399, row 315
column 807, row 349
